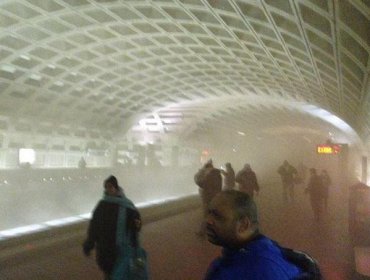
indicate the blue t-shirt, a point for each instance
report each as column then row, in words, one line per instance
column 260, row 259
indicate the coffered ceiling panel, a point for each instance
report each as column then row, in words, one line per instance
column 104, row 65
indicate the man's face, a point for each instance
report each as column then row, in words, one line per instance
column 222, row 226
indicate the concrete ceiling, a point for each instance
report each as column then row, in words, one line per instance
column 183, row 66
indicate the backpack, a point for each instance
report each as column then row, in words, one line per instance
column 309, row 266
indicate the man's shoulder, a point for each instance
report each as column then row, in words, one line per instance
column 266, row 255
column 215, row 171
column 247, row 267
column 261, row 257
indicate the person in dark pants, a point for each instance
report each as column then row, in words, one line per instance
column 287, row 173
column 326, row 182
column 113, row 231
column 209, row 181
column 316, row 191
column 247, row 180
column 229, row 177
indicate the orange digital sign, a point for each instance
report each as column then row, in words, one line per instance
column 328, row 149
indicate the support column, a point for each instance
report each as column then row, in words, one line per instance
column 364, row 170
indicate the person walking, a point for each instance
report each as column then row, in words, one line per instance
column 316, row 191
column 326, row 182
column 247, row 180
column 229, row 177
column 209, row 181
column 287, row 173
column 113, row 232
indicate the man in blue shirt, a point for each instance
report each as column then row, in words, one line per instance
column 247, row 255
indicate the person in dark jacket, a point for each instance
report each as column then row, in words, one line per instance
column 209, row 181
column 247, row 254
column 316, row 190
column 247, row 180
column 326, row 182
column 229, row 177
column 288, row 173
column 113, row 231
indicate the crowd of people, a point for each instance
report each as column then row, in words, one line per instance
column 230, row 220
column 317, row 186
column 212, row 180
column 209, row 180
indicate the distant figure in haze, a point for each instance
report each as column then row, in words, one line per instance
column 232, row 223
column 113, row 231
column 209, row 180
column 302, row 172
column 229, row 176
column 287, row 173
column 316, row 191
column 82, row 163
column 326, row 182
column 247, row 180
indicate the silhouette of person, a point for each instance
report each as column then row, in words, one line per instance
column 287, row 173
column 209, row 180
column 232, row 223
column 229, row 177
column 302, row 172
column 247, row 180
column 113, row 231
column 82, row 163
column 326, row 182
column 316, row 191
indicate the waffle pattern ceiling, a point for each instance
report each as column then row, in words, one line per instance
column 97, row 64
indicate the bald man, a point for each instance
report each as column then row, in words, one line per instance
column 232, row 223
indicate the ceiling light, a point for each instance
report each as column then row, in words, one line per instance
column 25, row 57
column 8, row 68
column 35, row 77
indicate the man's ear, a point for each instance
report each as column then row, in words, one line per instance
column 244, row 225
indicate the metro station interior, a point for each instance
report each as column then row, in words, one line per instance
column 149, row 90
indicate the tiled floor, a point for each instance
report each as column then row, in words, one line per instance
column 175, row 252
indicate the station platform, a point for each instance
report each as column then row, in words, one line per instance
column 176, row 252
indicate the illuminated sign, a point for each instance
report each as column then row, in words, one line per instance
column 27, row 156
column 332, row 149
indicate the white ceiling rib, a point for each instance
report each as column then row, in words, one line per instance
column 102, row 64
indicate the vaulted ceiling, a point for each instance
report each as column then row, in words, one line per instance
column 182, row 65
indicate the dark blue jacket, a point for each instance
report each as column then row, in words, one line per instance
column 260, row 259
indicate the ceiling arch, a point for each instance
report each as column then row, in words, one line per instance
column 102, row 65
column 252, row 116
